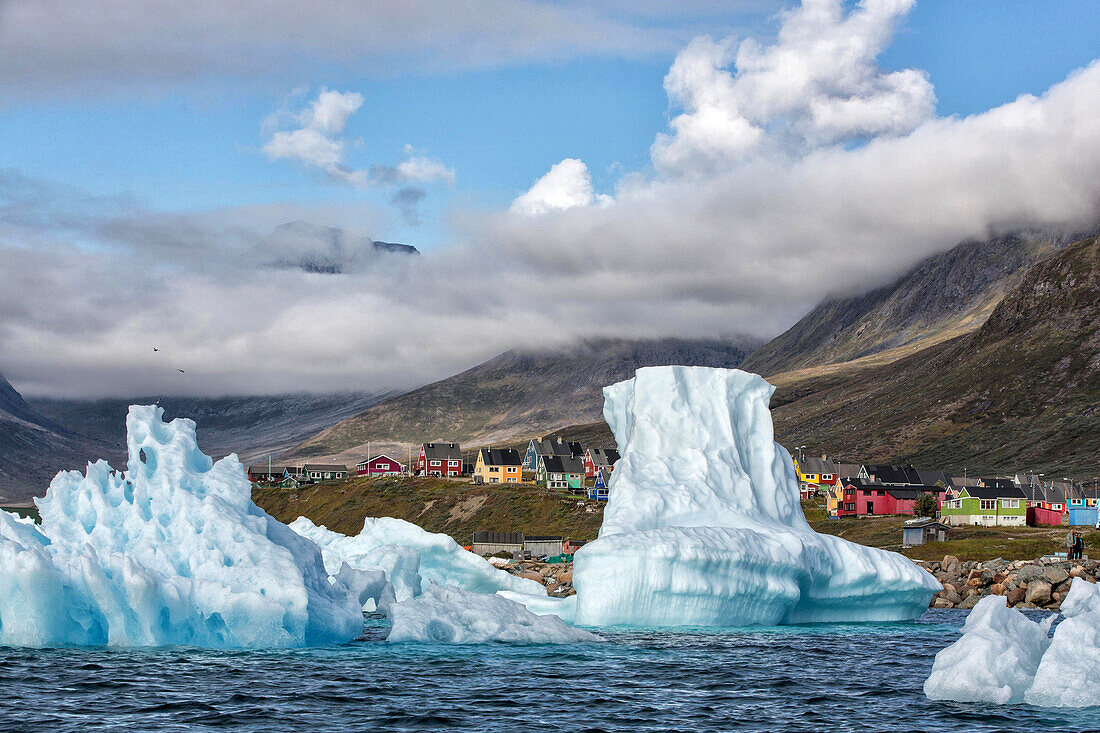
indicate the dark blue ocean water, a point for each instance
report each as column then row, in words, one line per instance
column 814, row 678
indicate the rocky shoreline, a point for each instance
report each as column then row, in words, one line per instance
column 1034, row 584
column 1037, row 584
column 557, row 577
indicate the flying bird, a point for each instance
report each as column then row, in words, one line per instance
column 181, row 371
column 155, row 349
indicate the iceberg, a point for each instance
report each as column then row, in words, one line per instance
column 408, row 555
column 704, row 525
column 1004, row 657
column 449, row 615
column 994, row 660
column 171, row 551
column 1068, row 675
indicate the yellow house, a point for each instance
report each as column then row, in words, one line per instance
column 498, row 466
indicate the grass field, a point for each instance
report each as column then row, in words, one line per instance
column 457, row 508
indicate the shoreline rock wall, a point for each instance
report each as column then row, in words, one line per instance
column 1025, row 584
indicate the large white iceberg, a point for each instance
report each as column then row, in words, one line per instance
column 449, row 615
column 994, row 660
column 704, row 526
column 172, row 551
column 409, row 554
column 1004, row 657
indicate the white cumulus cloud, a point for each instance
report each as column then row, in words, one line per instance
column 316, row 140
column 818, row 84
column 567, row 185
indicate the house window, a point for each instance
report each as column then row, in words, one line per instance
column 881, row 492
column 511, row 480
column 1010, row 503
column 452, row 463
column 436, row 463
column 1057, row 507
column 494, row 469
column 849, row 507
column 494, row 480
column 988, row 504
column 826, row 477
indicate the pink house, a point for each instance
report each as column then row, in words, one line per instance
column 380, row 465
column 860, row 498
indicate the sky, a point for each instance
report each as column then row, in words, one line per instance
column 568, row 169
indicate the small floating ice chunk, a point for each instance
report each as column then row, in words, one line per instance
column 1069, row 673
column 449, row 615
column 172, row 551
column 407, row 554
column 994, row 660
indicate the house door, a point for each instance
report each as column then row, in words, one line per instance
column 870, row 507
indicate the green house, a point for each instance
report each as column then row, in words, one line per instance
column 993, row 503
column 561, row 472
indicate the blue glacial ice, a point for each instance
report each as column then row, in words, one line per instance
column 1004, row 657
column 704, row 525
column 450, row 615
column 171, row 551
column 410, row 555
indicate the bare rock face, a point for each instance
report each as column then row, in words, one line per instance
column 1038, row 592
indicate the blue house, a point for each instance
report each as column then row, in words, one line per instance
column 598, row 491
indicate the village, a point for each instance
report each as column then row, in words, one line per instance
column 935, row 500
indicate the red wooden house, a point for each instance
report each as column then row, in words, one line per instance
column 858, row 497
column 380, row 465
column 440, row 459
column 597, row 458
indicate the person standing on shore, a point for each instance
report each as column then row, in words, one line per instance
column 1071, row 543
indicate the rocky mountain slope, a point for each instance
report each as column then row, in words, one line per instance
column 33, row 448
column 944, row 296
column 1022, row 392
column 516, row 394
column 252, row 426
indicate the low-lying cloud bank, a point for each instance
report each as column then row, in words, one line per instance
column 792, row 171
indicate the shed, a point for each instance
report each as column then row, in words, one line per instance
column 1082, row 516
column 542, row 546
column 490, row 543
column 921, row 531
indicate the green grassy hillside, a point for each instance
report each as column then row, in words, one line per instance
column 457, row 508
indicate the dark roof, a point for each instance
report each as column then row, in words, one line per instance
column 502, row 456
column 563, row 464
column 324, row 467
column 958, row 482
column 818, row 466
column 847, row 470
column 858, row 483
column 604, row 456
column 887, row 474
column 999, row 483
column 498, row 538
column 542, row 538
column 557, row 447
column 912, row 492
column 442, row 451
column 931, row 478
column 1011, row 491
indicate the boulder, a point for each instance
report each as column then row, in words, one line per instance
column 970, row 601
column 1055, row 575
column 942, row 603
column 1000, row 577
column 1015, row 596
column 950, row 564
column 951, row 595
column 1038, row 592
column 974, row 582
column 997, row 589
column 1029, row 573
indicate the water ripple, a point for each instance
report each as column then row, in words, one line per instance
column 814, row 678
